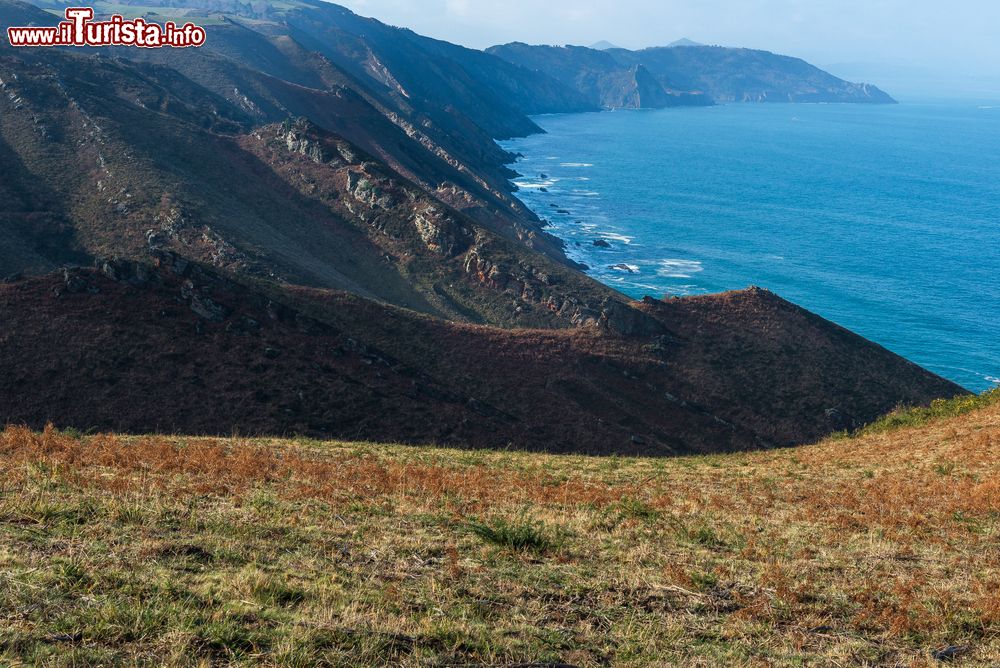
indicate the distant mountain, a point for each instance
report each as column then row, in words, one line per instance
column 602, row 77
column 684, row 41
column 603, row 45
column 689, row 75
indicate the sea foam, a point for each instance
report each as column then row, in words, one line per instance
column 672, row 268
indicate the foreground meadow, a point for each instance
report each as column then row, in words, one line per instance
column 881, row 549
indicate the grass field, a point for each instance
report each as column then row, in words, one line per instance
column 880, row 549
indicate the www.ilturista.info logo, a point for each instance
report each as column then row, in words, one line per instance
column 79, row 29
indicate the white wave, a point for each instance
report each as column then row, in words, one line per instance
column 989, row 378
column 653, row 289
column 672, row 268
column 586, row 193
column 536, row 184
column 683, row 290
column 576, row 164
column 612, row 236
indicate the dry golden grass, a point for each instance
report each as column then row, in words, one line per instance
column 877, row 550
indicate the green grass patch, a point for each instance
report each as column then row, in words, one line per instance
column 520, row 535
column 939, row 409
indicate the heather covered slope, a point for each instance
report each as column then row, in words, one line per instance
column 877, row 550
column 180, row 348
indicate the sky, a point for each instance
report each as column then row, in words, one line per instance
column 921, row 45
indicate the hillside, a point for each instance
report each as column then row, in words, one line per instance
column 247, row 77
column 178, row 347
column 876, row 550
column 685, row 74
column 93, row 174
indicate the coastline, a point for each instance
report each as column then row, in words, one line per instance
column 698, row 229
column 573, row 212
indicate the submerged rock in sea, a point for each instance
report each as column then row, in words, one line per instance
column 601, row 243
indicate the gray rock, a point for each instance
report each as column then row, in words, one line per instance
column 73, row 282
column 950, row 653
column 205, row 307
column 839, row 420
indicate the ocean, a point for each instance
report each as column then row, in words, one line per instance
column 884, row 219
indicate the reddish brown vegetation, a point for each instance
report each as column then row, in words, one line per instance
column 234, row 467
column 185, row 350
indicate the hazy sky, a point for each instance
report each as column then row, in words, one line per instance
column 921, row 42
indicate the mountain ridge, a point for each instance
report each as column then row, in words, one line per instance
column 719, row 74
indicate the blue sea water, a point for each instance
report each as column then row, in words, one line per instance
column 884, row 219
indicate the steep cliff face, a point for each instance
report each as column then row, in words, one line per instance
column 462, row 166
column 128, row 168
column 688, row 75
column 458, row 265
column 430, row 75
column 652, row 93
column 430, row 110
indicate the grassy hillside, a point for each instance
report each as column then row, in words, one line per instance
column 878, row 549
